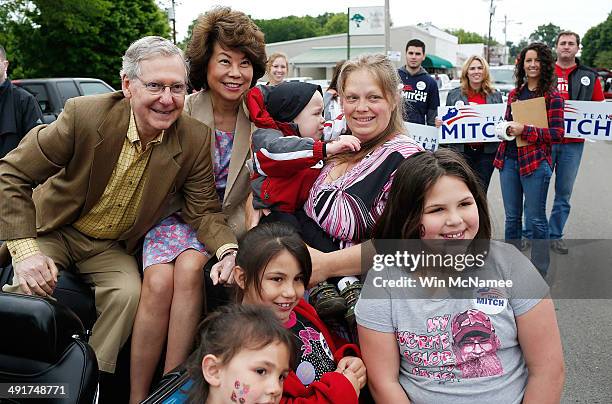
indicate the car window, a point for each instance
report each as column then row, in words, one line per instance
column 502, row 76
column 40, row 92
column 67, row 90
column 93, row 87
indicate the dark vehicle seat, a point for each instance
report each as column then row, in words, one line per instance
column 42, row 341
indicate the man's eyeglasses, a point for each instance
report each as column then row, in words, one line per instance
column 158, row 88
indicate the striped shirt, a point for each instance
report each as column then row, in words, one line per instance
column 348, row 207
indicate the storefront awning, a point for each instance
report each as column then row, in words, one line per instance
column 436, row 62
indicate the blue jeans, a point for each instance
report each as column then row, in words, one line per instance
column 534, row 187
column 566, row 162
column 482, row 164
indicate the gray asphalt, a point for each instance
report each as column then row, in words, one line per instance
column 585, row 325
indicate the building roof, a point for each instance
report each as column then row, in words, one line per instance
column 331, row 54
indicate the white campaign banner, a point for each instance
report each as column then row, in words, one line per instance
column 470, row 123
column 426, row 136
column 476, row 123
column 588, row 119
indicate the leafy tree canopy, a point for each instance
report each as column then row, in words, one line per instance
column 292, row 27
column 546, row 34
column 77, row 38
column 469, row 37
column 596, row 45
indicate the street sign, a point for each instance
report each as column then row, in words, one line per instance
column 367, row 20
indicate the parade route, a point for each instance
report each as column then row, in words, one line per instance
column 585, row 325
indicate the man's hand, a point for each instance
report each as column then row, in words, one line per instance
column 356, row 366
column 223, row 271
column 345, row 143
column 37, row 274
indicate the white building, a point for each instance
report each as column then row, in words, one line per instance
column 316, row 57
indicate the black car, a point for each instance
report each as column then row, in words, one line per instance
column 52, row 94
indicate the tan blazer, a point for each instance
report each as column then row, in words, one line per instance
column 199, row 106
column 74, row 157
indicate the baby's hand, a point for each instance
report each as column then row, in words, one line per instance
column 345, row 143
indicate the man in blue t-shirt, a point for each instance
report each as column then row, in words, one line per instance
column 420, row 92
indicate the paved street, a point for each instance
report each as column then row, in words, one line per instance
column 586, row 325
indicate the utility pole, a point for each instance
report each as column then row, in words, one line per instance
column 174, row 23
column 491, row 13
column 506, row 22
column 387, row 29
column 171, row 16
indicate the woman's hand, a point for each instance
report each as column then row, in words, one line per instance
column 356, row 366
column 515, row 128
column 438, row 122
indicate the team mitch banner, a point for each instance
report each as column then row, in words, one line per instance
column 476, row 123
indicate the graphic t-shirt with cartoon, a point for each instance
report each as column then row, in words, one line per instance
column 463, row 350
column 314, row 358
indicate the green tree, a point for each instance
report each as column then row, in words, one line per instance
column 67, row 38
column 292, row 27
column 596, row 45
column 515, row 49
column 336, row 24
column 546, row 34
column 466, row 36
column 288, row 28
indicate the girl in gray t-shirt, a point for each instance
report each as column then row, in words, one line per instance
column 449, row 314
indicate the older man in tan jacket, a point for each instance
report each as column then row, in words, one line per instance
column 105, row 172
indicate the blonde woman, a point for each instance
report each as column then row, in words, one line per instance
column 476, row 88
column 276, row 68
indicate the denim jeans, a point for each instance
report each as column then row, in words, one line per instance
column 566, row 162
column 482, row 164
column 534, row 188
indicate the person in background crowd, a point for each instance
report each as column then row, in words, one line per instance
column 420, row 90
column 19, row 111
column 335, row 124
column 431, row 345
column 104, row 173
column 276, row 68
column 331, row 99
column 574, row 82
column 227, row 56
column 475, row 88
column 526, row 171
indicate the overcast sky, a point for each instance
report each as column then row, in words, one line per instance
column 471, row 15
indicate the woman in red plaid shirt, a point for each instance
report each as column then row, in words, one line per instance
column 526, row 171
